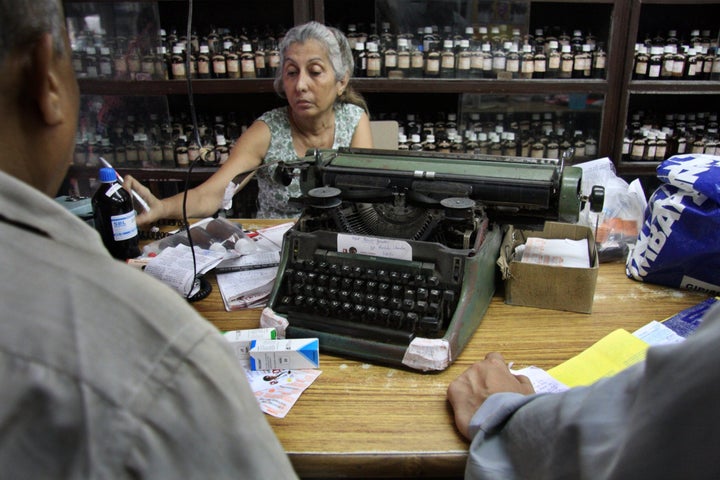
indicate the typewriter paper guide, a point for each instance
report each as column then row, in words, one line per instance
column 417, row 310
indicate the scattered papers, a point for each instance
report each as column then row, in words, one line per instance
column 655, row 333
column 541, row 381
column 687, row 321
column 555, row 251
column 246, row 281
column 251, row 261
column 616, row 351
column 174, row 266
column 610, row 355
column 246, row 288
column 271, row 238
column 278, row 390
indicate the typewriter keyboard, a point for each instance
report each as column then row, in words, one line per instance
column 354, row 295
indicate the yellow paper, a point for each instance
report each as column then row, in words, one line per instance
column 612, row 354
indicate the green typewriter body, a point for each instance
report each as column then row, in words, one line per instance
column 393, row 258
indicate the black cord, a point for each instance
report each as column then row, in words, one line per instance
column 188, row 77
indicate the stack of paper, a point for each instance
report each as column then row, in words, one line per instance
column 246, row 288
column 555, row 251
column 246, row 281
column 175, row 267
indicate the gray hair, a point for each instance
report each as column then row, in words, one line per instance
column 24, row 21
column 334, row 41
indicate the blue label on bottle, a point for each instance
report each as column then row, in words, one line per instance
column 124, row 226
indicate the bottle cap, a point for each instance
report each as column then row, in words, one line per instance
column 107, row 175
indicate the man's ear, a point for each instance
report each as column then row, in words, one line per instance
column 46, row 80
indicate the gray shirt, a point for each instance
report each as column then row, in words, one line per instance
column 658, row 419
column 106, row 372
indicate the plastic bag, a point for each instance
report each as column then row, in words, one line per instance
column 679, row 244
column 617, row 226
column 217, row 234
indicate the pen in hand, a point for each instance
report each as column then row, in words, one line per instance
column 137, row 196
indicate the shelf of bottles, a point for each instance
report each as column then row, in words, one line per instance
column 155, row 139
column 659, row 126
column 128, row 42
column 674, row 81
column 537, row 126
column 495, row 41
column 685, row 57
column 676, row 47
column 131, row 59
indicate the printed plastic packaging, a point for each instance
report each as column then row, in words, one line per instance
column 679, row 244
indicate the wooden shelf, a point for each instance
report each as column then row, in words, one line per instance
column 174, row 87
column 372, row 85
column 636, row 168
column 148, row 173
column 680, row 87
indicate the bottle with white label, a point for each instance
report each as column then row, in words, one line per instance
column 114, row 217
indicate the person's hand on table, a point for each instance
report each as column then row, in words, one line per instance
column 491, row 375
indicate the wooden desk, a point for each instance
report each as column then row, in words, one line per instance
column 361, row 420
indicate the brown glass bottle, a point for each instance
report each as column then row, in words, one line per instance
column 114, row 217
column 178, row 63
column 567, row 62
column 203, row 60
column 642, row 63
column 247, row 61
column 232, row 60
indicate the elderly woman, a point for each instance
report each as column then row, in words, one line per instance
column 322, row 112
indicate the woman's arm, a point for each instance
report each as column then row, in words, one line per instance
column 362, row 138
column 207, row 198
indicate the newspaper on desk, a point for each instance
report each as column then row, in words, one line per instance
column 247, row 288
column 246, row 281
column 175, row 267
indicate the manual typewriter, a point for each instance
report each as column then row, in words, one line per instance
column 393, row 257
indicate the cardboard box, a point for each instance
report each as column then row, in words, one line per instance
column 549, row 286
column 288, row 354
column 240, row 341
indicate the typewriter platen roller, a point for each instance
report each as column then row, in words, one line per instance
column 393, row 258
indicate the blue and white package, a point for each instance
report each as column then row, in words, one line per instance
column 679, row 243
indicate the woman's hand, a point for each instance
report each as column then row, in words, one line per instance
column 477, row 383
column 157, row 210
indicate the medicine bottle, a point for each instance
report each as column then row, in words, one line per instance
column 114, row 217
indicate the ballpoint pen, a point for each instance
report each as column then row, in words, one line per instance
column 137, row 196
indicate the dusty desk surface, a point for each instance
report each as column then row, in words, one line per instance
column 362, row 420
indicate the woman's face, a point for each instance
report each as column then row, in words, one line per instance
column 309, row 79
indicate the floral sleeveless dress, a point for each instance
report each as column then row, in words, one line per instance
column 273, row 197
